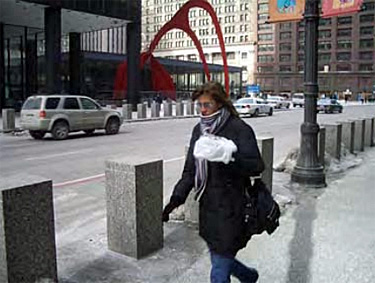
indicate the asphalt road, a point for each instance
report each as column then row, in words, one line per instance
column 83, row 156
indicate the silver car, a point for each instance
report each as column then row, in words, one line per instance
column 62, row 114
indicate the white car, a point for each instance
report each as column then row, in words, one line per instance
column 278, row 102
column 253, row 107
column 298, row 99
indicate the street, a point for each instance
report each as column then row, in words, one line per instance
column 82, row 157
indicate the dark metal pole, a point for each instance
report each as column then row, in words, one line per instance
column 308, row 170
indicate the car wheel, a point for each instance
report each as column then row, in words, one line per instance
column 256, row 113
column 113, row 126
column 294, row 105
column 287, row 107
column 89, row 132
column 270, row 112
column 60, row 130
column 340, row 110
column 38, row 135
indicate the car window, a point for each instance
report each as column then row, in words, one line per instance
column 87, row 104
column 71, row 103
column 52, row 102
column 32, row 103
column 250, row 101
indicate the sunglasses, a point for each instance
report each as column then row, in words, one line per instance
column 206, row 105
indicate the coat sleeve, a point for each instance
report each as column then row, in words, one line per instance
column 186, row 183
column 247, row 159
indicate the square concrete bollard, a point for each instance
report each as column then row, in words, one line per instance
column 348, row 132
column 141, row 111
column 27, row 230
column 155, row 110
column 134, row 193
column 322, row 145
column 359, row 136
column 368, row 132
column 167, row 108
column 333, row 140
column 179, row 109
column 265, row 145
column 9, row 120
column 127, row 111
column 190, row 108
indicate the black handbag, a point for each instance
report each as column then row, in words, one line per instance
column 261, row 211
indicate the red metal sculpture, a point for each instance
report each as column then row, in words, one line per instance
column 161, row 80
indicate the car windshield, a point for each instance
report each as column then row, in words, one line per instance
column 245, row 100
column 32, row 103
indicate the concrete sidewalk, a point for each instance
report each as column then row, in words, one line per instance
column 327, row 236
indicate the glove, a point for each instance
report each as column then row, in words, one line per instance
column 173, row 203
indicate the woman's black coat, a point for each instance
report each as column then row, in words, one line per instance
column 221, row 205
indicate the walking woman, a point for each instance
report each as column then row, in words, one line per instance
column 219, row 187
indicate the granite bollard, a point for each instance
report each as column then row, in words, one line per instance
column 134, row 196
column 127, row 111
column 190, row 108
column 155, row 110
column 348, row 132
column 333, row 138
column 179, row 109
column 9, row 120
column 368, row 132
column 359, row 136
column 373, row 131
column 27, row 230
column 167, row 108
column 265, row 144
column 141, row 110
column 322, row 145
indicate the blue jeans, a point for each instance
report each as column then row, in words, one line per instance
column 223, row 267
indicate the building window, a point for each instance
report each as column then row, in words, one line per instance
column 344, row 68
column 285, row 26
column 300, row 68
column 324, row 45
column 366, row 43
column 265, row 37
column 265, row 69
column 344, row 44
column 265, row 58
column 301, row 46
column 230, row 56
column 285, row 46
column 366, row 55
column 285, row 68
column 301, row 35
column 324, row 57
column 264, row 27
column 344, row 32
column 262, row 17
column 324, row 34
column 324, row 22
column 343, row 56
column 367, row 30
column 301, row 57
column 344, row 20
column 366, row 18
column 369, row 6
column 365, row 67
column 244, row 55
column 285, row 58
column 285, row 35
column 263, row 7
column 266, row 47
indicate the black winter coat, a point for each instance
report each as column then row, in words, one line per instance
column 221, row 205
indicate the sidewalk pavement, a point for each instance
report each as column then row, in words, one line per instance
column 327, row 235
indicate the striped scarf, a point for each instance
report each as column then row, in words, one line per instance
column 209, row 125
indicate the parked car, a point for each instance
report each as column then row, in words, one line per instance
column 62, row 114
column 253, row 107
column 298, row 99
column 278, row 102
column 329, row 105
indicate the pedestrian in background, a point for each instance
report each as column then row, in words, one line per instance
column 220, row 187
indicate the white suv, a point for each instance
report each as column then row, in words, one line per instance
column 61, row 114
column 298, row 99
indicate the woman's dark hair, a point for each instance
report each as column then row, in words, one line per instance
column 218, row 93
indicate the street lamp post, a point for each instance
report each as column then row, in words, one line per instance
column 308, row 171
